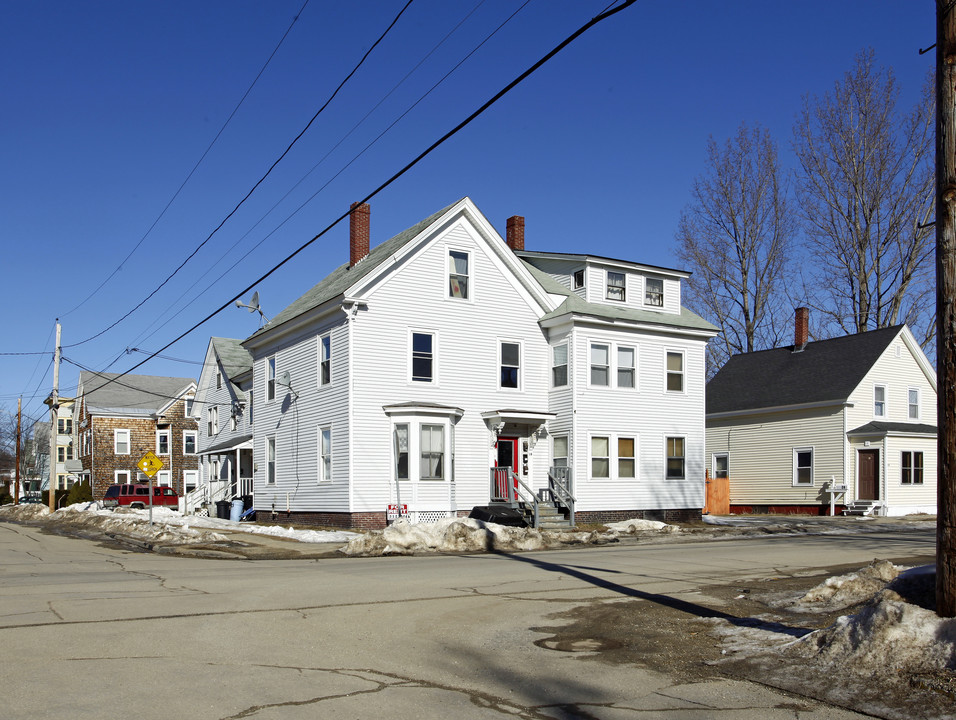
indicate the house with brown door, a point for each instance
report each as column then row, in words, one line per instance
column 850, row 420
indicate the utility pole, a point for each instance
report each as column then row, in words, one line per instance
column 945, row 308
column 54, row 407
column 16, row 484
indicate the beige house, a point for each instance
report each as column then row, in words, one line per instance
column 850, row 420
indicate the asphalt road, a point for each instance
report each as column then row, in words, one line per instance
column 89, row 631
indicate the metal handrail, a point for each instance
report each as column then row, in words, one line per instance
column 504, row 488
column 560, row 491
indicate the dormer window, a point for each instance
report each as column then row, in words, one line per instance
column 458, row 274
column 577, row 279
column 615, row 286
column 654, row 292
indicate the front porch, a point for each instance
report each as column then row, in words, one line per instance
column 227, row 475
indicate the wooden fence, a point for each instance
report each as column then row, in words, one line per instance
column 717, row 500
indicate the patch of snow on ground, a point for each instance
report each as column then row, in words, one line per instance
column 843, row 591
column 169, row 526
column 631, row 527
column 449, row 535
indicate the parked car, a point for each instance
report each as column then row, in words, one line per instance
column 137, row 496
column 32, row 500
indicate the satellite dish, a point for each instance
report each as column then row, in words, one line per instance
column 253, row 305
column 285, row 379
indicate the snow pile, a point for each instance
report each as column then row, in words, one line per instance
column 838, row 593
column 169, row 526
column 632, row 527
column 449, row 535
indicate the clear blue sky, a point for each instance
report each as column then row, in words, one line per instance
column 107, row 106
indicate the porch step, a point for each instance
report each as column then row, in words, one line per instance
column 863, row 507
column 549, row 517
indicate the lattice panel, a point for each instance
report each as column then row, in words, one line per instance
column 430, row 516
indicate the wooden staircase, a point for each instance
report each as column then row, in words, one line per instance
column 550, row 516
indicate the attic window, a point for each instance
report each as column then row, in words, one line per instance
column 616, row 286
column 577, row 279
column 458, row 274
column 654, row 292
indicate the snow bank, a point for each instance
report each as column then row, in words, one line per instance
column 450, row 535
column 632, row 527
column 843, row 591
column 169, row 526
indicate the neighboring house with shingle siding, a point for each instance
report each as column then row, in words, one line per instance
column 422, row 372
column 119, row 418
column 856, row 411
column 223, row 409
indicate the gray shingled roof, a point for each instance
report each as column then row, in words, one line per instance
column 824, row 371
column 234, row 357
column 884, row 428
column 130, row 394
column 344, row 276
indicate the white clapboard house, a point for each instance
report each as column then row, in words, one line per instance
column 448, row 369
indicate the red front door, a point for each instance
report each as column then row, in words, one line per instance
column 507, row 457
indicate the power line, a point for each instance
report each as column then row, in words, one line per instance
column 208, row 287
column 464, row 123
column 196, row 166
column 254, row 187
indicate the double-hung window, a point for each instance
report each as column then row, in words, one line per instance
column 212, row 421
column 64, row 426
column 325, row 454
column 625, row 367
column 401, row 451
column 600, row 456
column 121, row 442
column 189, row 442
column 675, row 372
column 654, row 292
column 626, row 466
column 616, row 286
column 432, row 446
column 559, row 365
column 162, row 442
column 510, row 356
column 325, row 359
column 577, row 279
column 271, row 460
column 803, row 466
column 271, row 378
column 912, row 468
column 913, row 403
column 600, row 364
column 721, row 465
column 559, row 451
column 879, row 401
column 423, row 357
column 458, row 275
column 121, row 477
column 675, row 458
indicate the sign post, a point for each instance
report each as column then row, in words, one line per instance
column 150, row 465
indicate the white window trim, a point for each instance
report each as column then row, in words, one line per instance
column 195, row 435
column 162, row 475
column 617, row 460
column 567, row 440
column 190, row 477
column 713, row 463
column 919, row 403
column 584, row 279
column 273, row 476
column 116, row 477
column 318, row 359
column 912, row 482
column 886, row 405
column 566, row 366
column 591, row 456
column 663, row 299
column 129, row 442
column 813, row 479
column 610, row 363
column 636, row 384
column 672, row 436
column 446, row 277
column 683, row 372
column 608, row 286
column 321, row 475
column 445, row 448
column 414, row 420
column 273, row 366
column 169, row 441
column 613, row 456
column 521, row 364
column 408, row 355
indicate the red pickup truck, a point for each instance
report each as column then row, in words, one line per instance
column 137, row 496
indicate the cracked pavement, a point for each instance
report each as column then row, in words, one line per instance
column 89, row 631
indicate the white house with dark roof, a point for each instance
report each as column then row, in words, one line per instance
column 787, row 425
column 223, row 410
column 449, row 368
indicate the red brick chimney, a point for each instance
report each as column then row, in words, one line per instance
column 515, row 232
column 801, row 329
column 358, row 232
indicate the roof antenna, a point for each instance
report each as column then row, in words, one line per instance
column 254, row 307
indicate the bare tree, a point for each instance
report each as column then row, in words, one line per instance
column 866, row 198
column 735, row 237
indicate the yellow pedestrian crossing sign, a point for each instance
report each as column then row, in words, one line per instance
column 150, row 464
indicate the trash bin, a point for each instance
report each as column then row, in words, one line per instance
column 222, row 509
column 236, row 510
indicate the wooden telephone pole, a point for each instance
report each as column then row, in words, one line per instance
column 945, row 308
column 16, row 483
column 54, row 411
